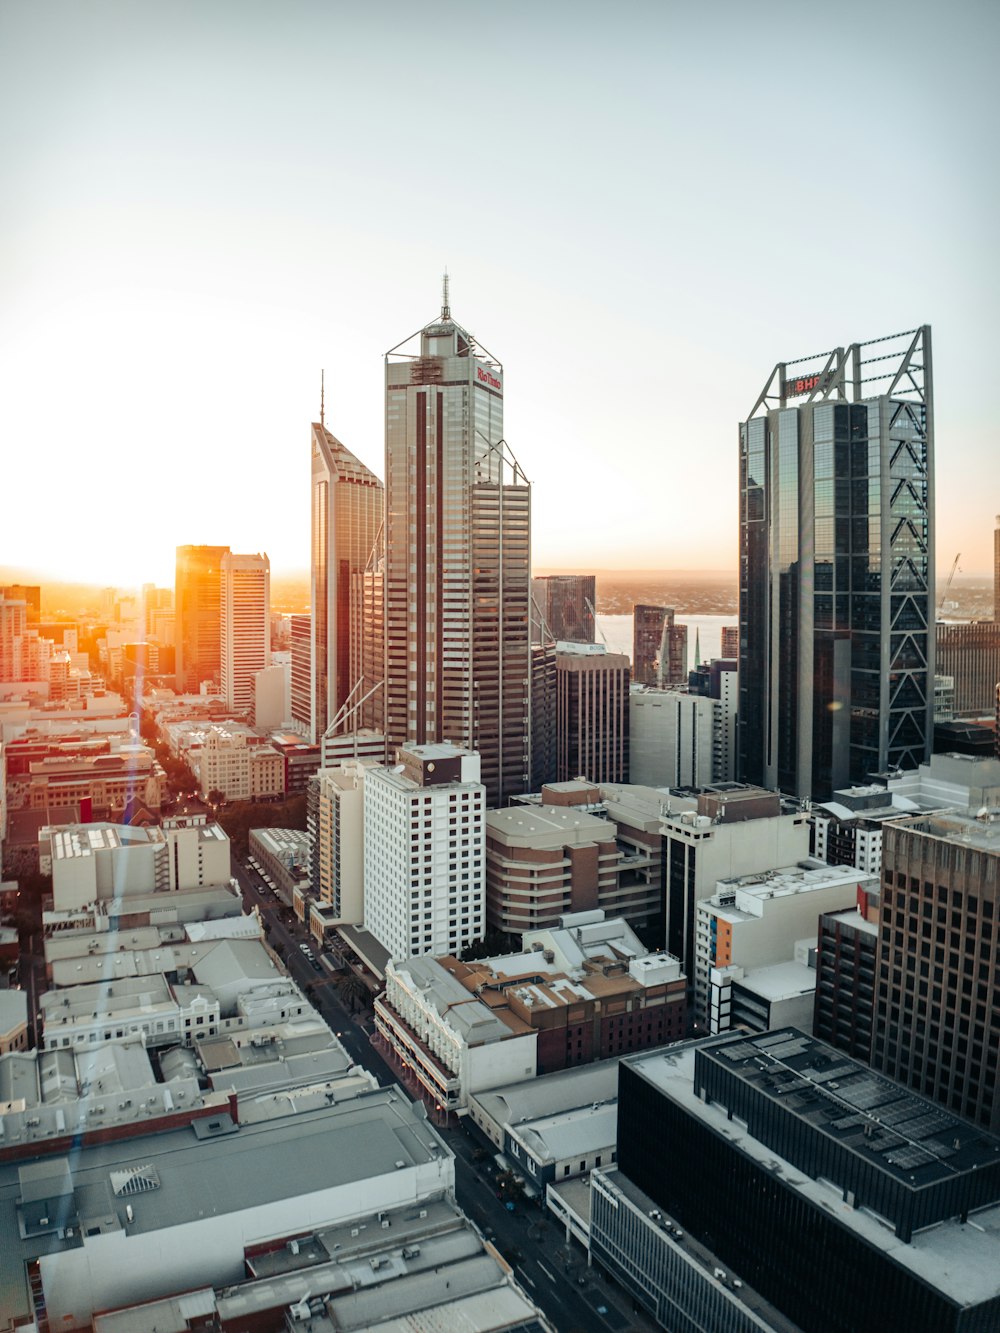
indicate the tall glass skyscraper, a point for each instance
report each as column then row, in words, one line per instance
column 837, row 568
column 457, row 557
column 346, row 521
column 197, row 608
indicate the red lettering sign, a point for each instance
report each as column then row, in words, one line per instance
column 485, row 377
column 804, row 385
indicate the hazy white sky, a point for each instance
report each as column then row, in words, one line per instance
column 642, row 206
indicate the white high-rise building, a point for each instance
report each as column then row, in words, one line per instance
column 244, row 626
column 425, row 851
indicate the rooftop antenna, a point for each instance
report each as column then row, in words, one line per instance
column 445, row 307
column 322, row 398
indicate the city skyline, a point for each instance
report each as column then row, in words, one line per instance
column 165, row 281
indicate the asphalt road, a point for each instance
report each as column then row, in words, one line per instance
column 575, row 1298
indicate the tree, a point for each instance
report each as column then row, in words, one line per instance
column 353, row 992
column 216, row 797
column 493, row 942
column 509, row 1187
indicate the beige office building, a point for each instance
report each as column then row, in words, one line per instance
column 457, row 557
column 244, row 626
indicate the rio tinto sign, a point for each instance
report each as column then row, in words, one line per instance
column 491, row 381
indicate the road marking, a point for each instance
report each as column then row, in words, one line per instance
column 526, row 1278
column 550, row 1276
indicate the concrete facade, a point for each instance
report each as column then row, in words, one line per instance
column 424, row 873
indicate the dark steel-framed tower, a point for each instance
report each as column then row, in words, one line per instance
column 837, row 567
column 457, row 557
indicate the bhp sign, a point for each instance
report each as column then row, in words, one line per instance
column 484, row 377
column 804, row 384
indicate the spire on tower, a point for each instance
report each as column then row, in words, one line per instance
column 322, row 398
column 697, row 650
column 445, row 307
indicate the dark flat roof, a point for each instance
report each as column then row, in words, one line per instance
column 906, row 1135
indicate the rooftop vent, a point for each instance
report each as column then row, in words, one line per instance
column 136, row 1180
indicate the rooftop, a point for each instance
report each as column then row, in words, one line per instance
column 962, row 1260
column 458, row 1008
column 852, row 918
column 570, row 1134
column 548, row 825
column 361, row 1275
column 781, row 981
column 806, row 877
column 980, row 830
column 907, row 1136
column 224, row 1171
column 567, row 1090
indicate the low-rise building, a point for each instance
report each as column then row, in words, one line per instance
column 497, row 1109
column 51, row 1100
column 226, row 763
column 120, row 1223
column 283, row 855
column 557, row 1127
column 111, row 862
column 585, row 991
column 13, row 1021
column 757, row 921
column 104, row 783
column 380, row 1270
column 454, row 1043
column 203, row 989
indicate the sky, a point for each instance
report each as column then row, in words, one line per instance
column 642, row 208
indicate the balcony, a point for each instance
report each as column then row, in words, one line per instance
column 409, row 1048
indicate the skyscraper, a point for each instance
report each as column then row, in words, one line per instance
column 836, row 568
column 591, row 714
column 969, row 653
column 196, row 608
column 457, row 557
column 936, row 1025
column 563, row 608
column 244, row 626
column 659, row 647
column 301, row 695
column 346, row 518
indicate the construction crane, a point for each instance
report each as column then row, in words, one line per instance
column 947, row 586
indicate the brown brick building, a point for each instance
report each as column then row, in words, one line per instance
column 544, row 861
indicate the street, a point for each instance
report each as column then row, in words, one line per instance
column 575, row 1298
